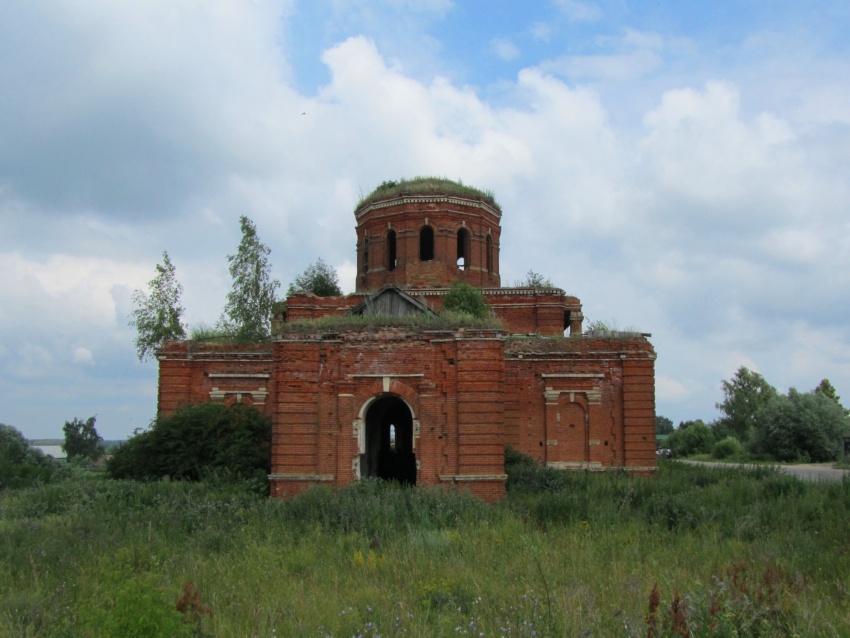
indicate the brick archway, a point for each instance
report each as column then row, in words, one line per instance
column 366, row 396
column 388, row 440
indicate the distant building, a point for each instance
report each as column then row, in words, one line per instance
column 430, row 406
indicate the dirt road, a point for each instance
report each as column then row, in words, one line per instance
column 810, row 472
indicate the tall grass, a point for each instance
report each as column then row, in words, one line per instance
column 371, row 323
column 694, row 551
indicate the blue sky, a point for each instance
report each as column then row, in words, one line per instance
column 683, row 168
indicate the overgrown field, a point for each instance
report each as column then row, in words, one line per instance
column 692, row 552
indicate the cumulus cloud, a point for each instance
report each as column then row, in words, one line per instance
column 718, row 222
column 83, row 356
column 131, row 96
column 504, row 49
column 630, row 56
column 577, row 11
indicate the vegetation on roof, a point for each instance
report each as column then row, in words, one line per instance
column 372, row 323
column 203, row 333
column 427, row 186
column 537, row 344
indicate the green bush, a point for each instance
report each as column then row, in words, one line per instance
column 208, row 440
column 691, row 438
column 22, row 465
column 465, row 299
column 728, row 448
column 806, row 426
column 136, row 607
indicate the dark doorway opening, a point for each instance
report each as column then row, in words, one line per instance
column 426, row 243
column 391, row 257
column 463, row 249
column 389, row 442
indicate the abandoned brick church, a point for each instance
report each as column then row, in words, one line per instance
column 421, row 403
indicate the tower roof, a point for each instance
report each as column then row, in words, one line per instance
column 427, row 186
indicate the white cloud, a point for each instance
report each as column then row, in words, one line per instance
column 504, row 49
column 577, row 11
column 667, row 389
column 83, row 356
column 718, row 223
column 620, row 66
column 63, row 290
column 541, row 31
column 131, row 95
column 630, row 56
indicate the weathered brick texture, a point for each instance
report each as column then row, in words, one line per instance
column 432, row 407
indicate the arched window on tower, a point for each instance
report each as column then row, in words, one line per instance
column 391, row 256
column 366, row 256
column 463, row 249
column 489, row 254
column 426, row 243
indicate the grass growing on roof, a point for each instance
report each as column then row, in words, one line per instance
column 371, row 323
column 427, row 186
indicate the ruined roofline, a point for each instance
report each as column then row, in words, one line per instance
column 428, row 186
column 509, row 290
column 442, row 290
column 426, row 199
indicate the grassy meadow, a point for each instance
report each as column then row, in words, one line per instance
column 692, row 552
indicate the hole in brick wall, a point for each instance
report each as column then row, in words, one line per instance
column 389, row 442
column 391, row 250
column 462, row 248
column 426, row 243
column 489, row 254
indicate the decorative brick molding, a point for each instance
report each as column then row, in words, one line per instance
column 431, row 407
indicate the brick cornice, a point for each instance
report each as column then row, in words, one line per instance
column 427, row 199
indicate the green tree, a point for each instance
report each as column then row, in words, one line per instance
column 744, row 395
column 247, row 313
column 82, row 440
column 198, row 440
column 826, row 388
column 157, row 316
column 534, row 280
column 727, row 448
column 691, row 437
column 22, row 465
column 663, row 425
column 804, row 426
column 319, row 279
column 465, row 299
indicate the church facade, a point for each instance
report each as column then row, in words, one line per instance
column 420, row 402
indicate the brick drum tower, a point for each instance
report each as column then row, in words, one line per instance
column 377, row 384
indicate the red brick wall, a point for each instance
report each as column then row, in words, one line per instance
column 451, row 381
column 191, row 373
column 406, row 216
column 577, row 402
column 547, row 312
column 582, row 402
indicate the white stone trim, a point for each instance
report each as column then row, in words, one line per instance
column 427, row 199
column 469, row 478
column 301, row 477
column 258, row 396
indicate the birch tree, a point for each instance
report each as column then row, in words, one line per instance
column 158, row 314
column 247, row 314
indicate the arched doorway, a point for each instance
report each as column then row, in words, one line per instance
column 389, row 442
